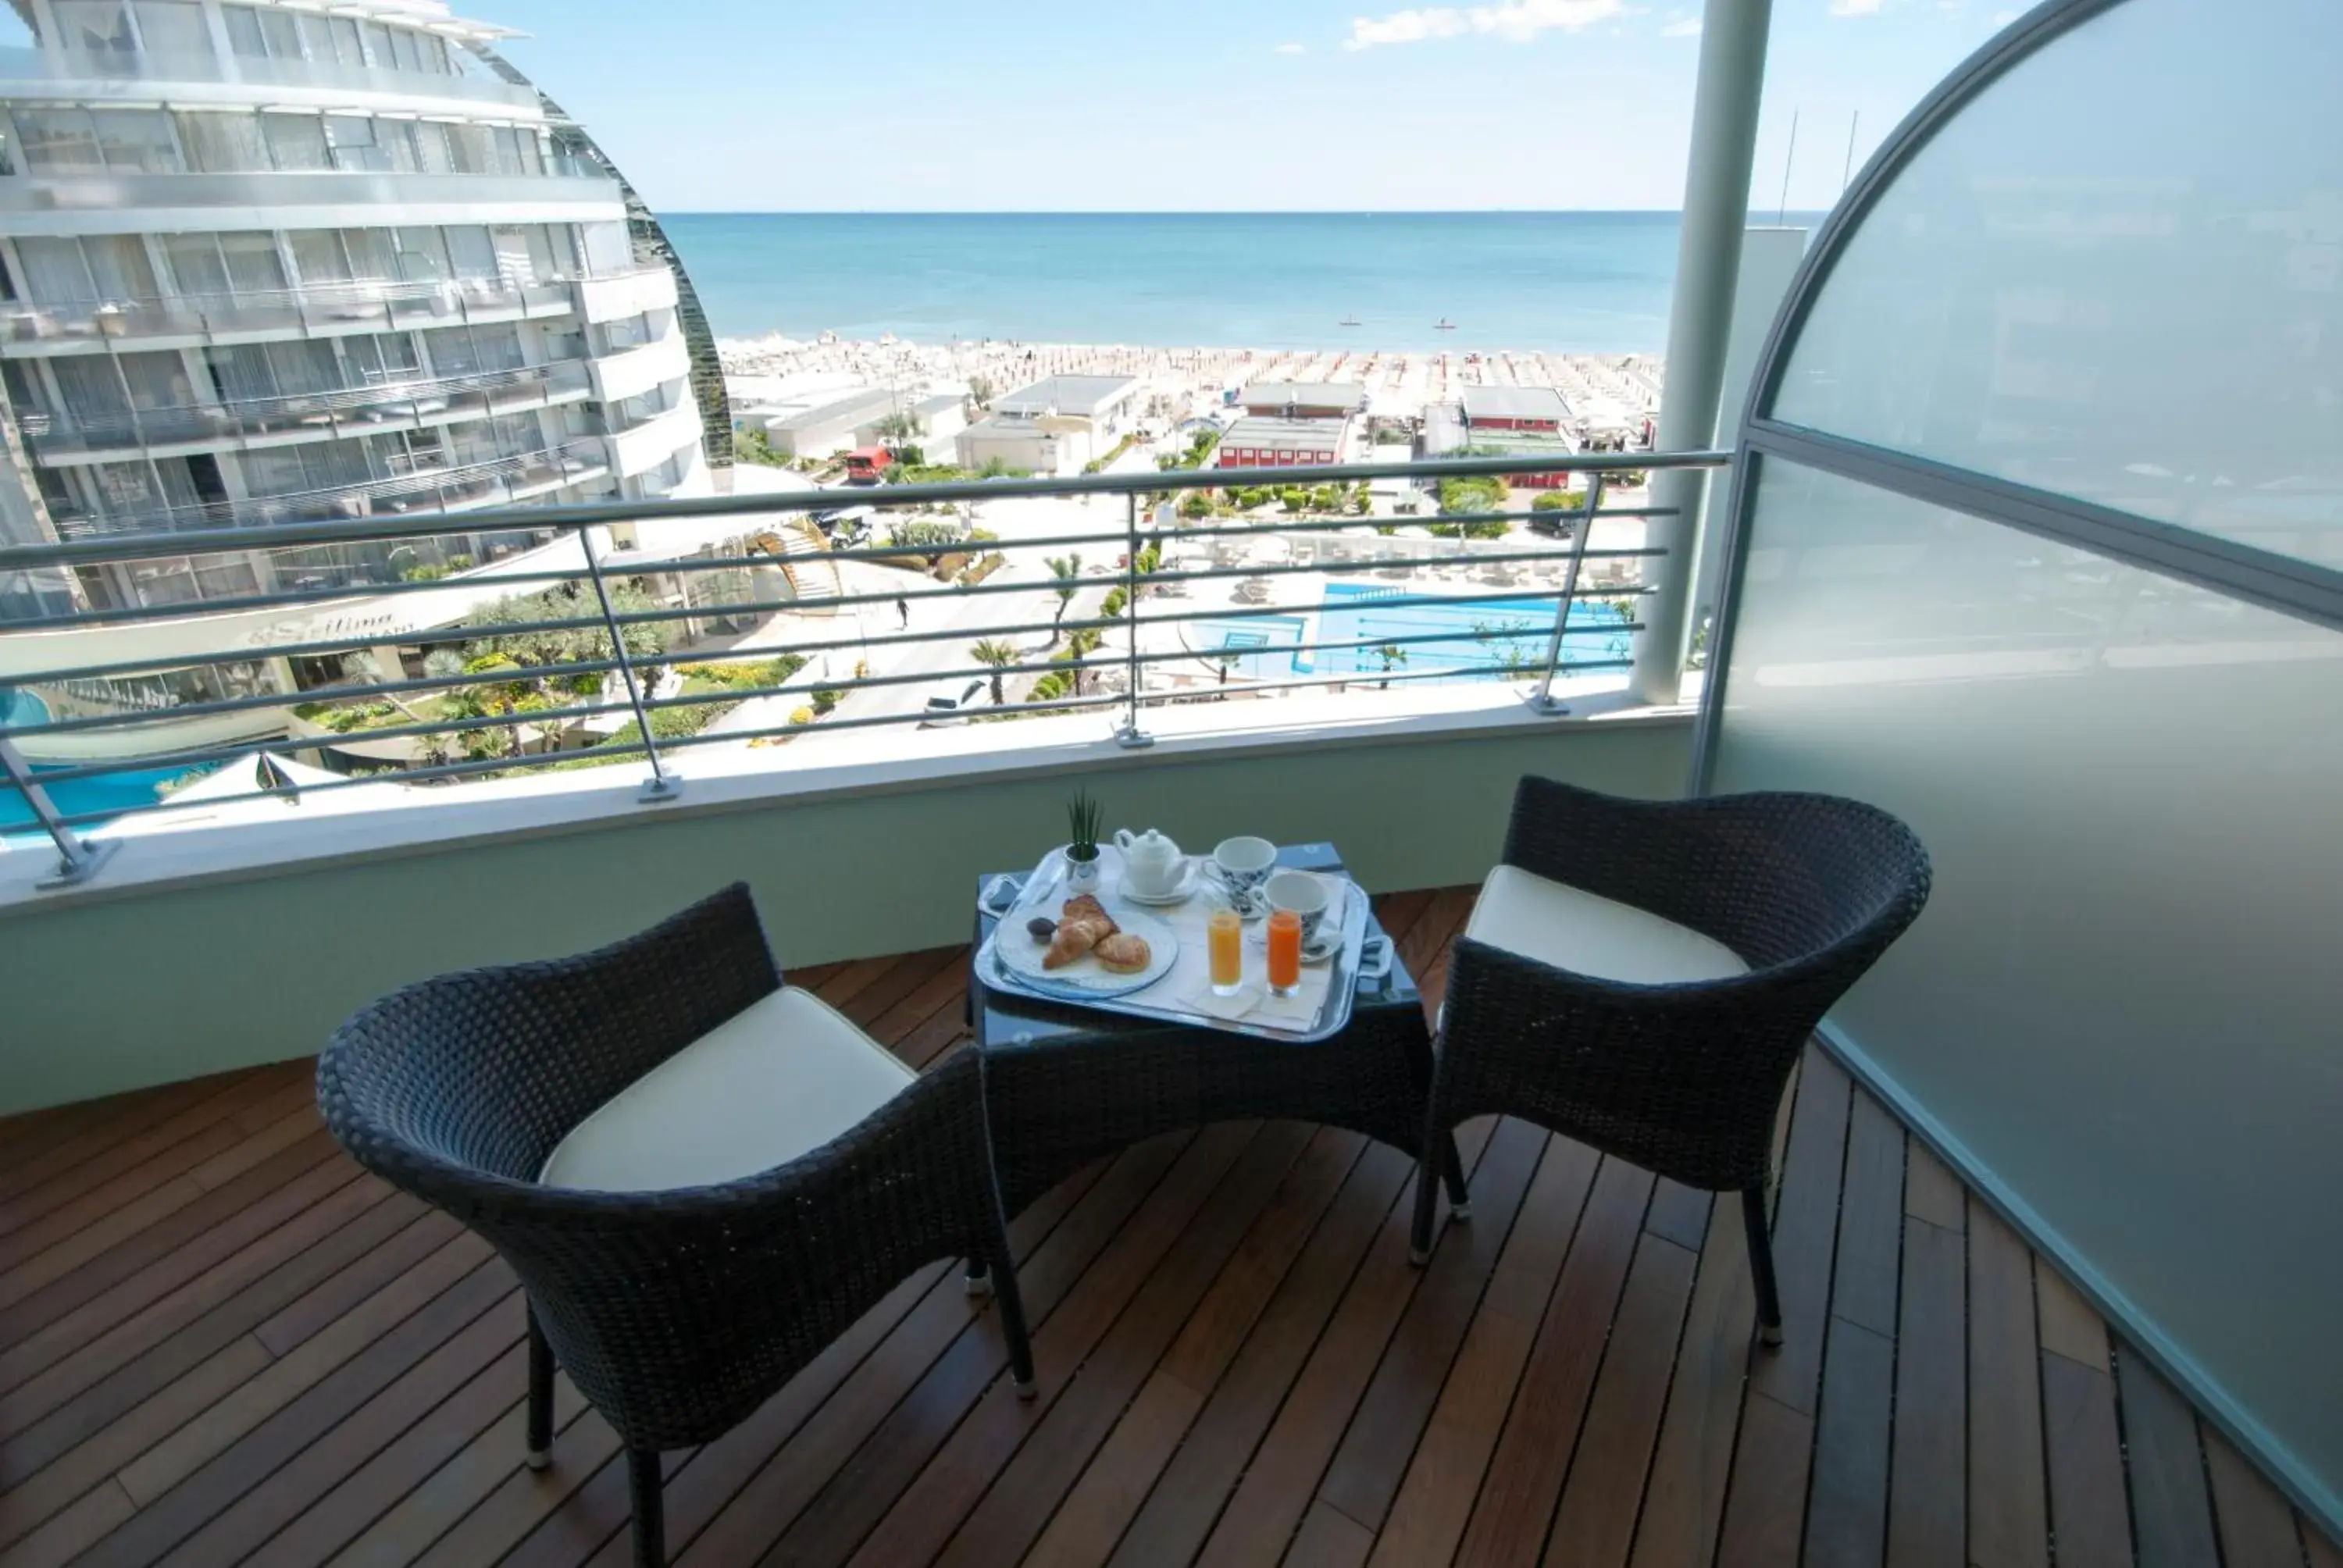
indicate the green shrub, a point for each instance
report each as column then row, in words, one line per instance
column 1112, row 604
column 824, row 700
column 1195, row 503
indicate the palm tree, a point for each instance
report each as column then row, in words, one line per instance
column 1000, row 656
column 1392, row 654
column 1066, row 572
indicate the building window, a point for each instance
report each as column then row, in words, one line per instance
column 101, row 26
column 58, row 141
column 138, row 141
column 173, row 29
column 297, row 141
column 351, row 138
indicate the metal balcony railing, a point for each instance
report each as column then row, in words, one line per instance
column 427, row 491
column 362, row 306
column 346, row 412
column 27, row 70
column 1552, row 598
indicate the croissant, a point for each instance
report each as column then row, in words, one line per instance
column 1088, row 908
column 1075, row 938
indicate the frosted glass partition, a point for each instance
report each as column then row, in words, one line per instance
column 2117, row 274
column 2122, row 998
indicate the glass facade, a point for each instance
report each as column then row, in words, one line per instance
column 2118, row 1005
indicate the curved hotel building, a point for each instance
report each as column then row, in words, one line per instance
column 267, row 262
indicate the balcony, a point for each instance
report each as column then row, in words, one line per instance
column 2054, row 1182
column 347, row 414
column 92, row 78
column 437, row 491
column 313, row 310
column 68, row 204
column 227, row 1344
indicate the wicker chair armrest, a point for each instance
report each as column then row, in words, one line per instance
column 677, row 1312
column 1683, row 1078
column 488, row 1068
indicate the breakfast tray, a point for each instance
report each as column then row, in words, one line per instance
column 1359, row 962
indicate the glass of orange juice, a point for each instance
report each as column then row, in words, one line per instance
column 1284, row 952
column 1225, row 940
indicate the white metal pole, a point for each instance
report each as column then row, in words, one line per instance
column 1700, row 322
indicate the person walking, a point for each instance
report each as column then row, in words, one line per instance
column 903, row 608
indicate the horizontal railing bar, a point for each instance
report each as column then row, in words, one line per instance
column 1117, row 660
column 615, row 753
column 1238, row 686
column 575, row 515
column 842, row 684
column 1399, row 521
column 753, row 654
column 203, row 609
column 452, row 631
column 251, row 704
column 124, row 614
column 330, row 740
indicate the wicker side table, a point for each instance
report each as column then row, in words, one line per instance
column 1065, row 1085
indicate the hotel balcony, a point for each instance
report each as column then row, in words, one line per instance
column 100, row 78
column 67, row 204
column 258, row 423
column 2051, row 1187
column 315, row 310
column 469, row 487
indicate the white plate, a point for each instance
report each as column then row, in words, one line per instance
column 1191, row 877
column 1085, row 976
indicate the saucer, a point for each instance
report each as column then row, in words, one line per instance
column 1190, row 876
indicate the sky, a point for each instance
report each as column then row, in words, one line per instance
column 1072, row 106
column 930, row 105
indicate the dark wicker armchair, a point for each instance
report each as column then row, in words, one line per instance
column 1641, row 976
column 676, row 1312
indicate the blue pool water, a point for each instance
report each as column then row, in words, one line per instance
column 116, row 792
column 1487, row 638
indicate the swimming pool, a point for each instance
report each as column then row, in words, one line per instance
column 1489, row 638
column 76, row 796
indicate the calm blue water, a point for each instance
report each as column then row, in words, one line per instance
column 114, row 793
column 1578, row 282
column 1505, row 634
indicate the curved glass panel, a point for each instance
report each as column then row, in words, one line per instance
column 2116, row 274
column 2121, row 996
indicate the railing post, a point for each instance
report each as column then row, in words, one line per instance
column 1544, row 701
column 78, row 860
column 1131, row 736
column 659, row 786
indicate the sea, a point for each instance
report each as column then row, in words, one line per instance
column 1561, row 282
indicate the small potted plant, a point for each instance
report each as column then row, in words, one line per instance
column 1081, row 851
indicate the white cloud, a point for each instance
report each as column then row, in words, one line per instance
column 1516, row 21
column 1684, row 27
column 1853, row 7
column 1292, row 49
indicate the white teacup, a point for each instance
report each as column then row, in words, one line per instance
column 1243, row 865
column 1307, row 896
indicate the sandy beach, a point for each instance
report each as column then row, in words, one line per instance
column 1604, row 391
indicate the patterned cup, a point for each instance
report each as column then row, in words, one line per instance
column 1243, row 865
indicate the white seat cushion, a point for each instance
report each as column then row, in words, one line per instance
column 781, row 1077
column 1587, row 934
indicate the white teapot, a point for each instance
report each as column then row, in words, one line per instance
column 1151, row 863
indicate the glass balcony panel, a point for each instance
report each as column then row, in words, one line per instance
column 2121, row 999
column 2090, row 292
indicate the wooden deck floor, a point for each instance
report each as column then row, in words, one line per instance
column 220, row 1343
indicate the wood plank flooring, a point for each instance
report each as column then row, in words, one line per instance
column 220, row 1343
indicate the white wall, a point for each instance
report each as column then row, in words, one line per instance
column 135, row 986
